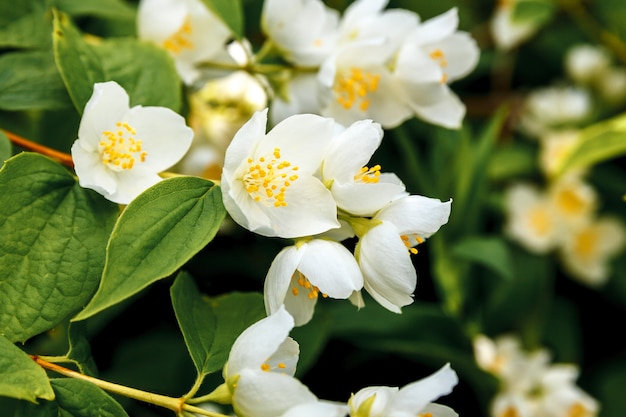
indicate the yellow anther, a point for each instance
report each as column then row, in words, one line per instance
column 265, row 367
column 300, row 280
column 265, row 179
column 368, row 175
column 425, row 415
column 282, row 365
column 438, row 56
column 577, row 410
column 180, row 40
column 118, row 150
column 354, row 87
column 294, row 291
column 509, row 412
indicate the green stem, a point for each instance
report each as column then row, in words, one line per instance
column 178, row 405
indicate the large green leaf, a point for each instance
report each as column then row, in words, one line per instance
column 78, row 64
column 24, row 24
column 489, row 251
column 52, row 251
column 75, row 398
column 20, row 376
column 156, row 234
column 151, row 81
column 211, row 325
column 5, row 147
column 596, row 144
column 230, row 12
column 31, row 80
column 116, row 9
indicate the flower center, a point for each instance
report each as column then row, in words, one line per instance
column 586, row 244
column 265, row 366
column 570, row 202
column 267, row 179
column 540, row 221
column 410, row 241
column 368, row 175
column 354, row 87
column 509, row 412
column 577, row 410
column 180, row 39
column 438, row 56
column 120, row 150
column 301, row 283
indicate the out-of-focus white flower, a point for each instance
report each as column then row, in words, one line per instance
column 531, row 218
column 432, row 56
column 320, row 408
column 414, row 399
column 561, row 397
column 268, row 181
column 555, row 107
column 387, row 241
column 612, row 86
column 589, row 248
column 573, row 199
column 358, row 189
column 260, row 368
column 300, row 96
column 506, row 32
column 584, row 63
column 187, row 29
column 312, row 268
column 120, row 151
column 305, row 31
column 555, row 147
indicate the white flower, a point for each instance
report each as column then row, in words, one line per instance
column 586, row 63
column 358, row 189
column 121, row 150
column 301, row 96
column 414, row 399
column 531, row 218
column 187, row 29
column 506, row 32
column 320, row 408
column 305, row 31
column 431, row 57
column 561, row 397
column 260, row 368
column 300, row 274
column 555, row 147
column 588, row 249
column 383, row 251
column 268, row 182
column 574, row 201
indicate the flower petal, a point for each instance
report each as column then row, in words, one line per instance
column 414, row 397
column 258, row 342
column 90, row 170
column 318, row 409
column 416, row 214
column 279, row 276
column 245, row 141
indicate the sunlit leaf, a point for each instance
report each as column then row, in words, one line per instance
column 20, row 376
column 230, row 12
column 211, row 325
column 52, row 260
column 155, row 235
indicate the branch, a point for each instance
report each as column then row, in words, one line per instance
column 64, row 158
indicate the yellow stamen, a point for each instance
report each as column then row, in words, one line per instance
column 368, row 175
column 268, row 178
column 577, row 410
column 355, row 87
column 301, row 282
column 180, row 40
column 265, row 367
column 119, row 149
column 438, row 56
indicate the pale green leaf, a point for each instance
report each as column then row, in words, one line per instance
column 78, row 64
column 595, row 144
column 53, row 246
column 31, row 80
column 491, row 252
column 79, row 350
column 75, row 398
column 158, row 232
column 538, row 12
column 230, row 12
column 211, row 325
column 115, row 9
column 5, row 147
column 20, row 376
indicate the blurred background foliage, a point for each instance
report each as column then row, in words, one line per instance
column 472, row 277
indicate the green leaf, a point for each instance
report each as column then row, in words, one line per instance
column 538, row 12
column 31, row 80
column 113, row 9
column 53, row 246
column 491, row 252
column 24, row 24
column 211, row 325
column 20, row 376
column 76, row 398
column 230, row 12
column 158, row 232
column 78, row 64
column 79, row 351
column 5, row 147
column 153, row 83
column 596, row 144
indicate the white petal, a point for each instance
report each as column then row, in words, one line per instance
column 461, row 52
column 164, row 135
column 351, row 150
column 414, row 397
column 241, row 208
column 448, row 111
column 298, row 303
column 416, row 214
column 302, row 92
column 365, row 199
column 318, row 409
column 382, row 398
column 437, row 28
column 130, row 185
column 157, row 20
column 107, row 106
column 363, row 8
column 285, row 359
column 258, row 342
column 90, row 170
column 279, row 276
column 332, row 268
column 245, row 141
column 389, row 274
column 268, row 394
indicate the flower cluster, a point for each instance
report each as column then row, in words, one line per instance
column 308, row 179
column 529, row 384
column 369, row 63
column 259, row 382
